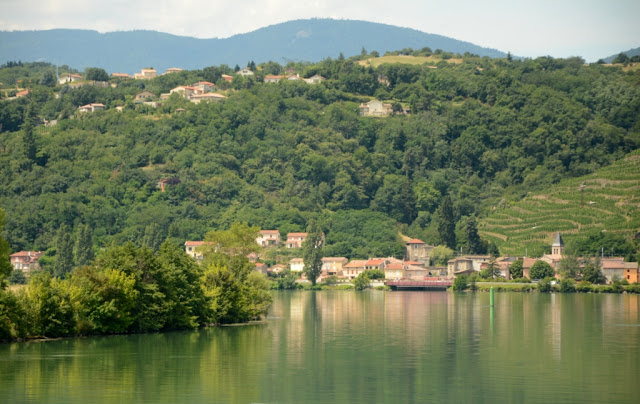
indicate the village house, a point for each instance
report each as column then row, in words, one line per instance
column 143, row 96
column 527, row 264
column 214, row 97
column 294, row 77
column 268, row 238
column 204, row 86
column 295, row 240
column 185, row 91
column 375, row 263
column 261, row 267
column 315, row 79
column 631, row 272
column 121, row 76
column 375, row 108
column 69, row 78
column 613, row 268
column 23, row 93
column 466, row 264
column 227, row 78
column 192, row 248
column 173, row 70
column 333, row 265
column 277, row 269
column 245, row 72
column 354, row 268
column 26, row 261
column 394, row 271
column 146, row 74
column 296, row 265
column 253, row 257
column 418, row 250
column 91, row 107
column 271, row 78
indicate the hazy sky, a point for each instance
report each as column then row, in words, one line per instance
column 560, row 28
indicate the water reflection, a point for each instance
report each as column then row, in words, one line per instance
column 356, row 347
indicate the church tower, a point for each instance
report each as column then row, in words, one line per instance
column 557, row 248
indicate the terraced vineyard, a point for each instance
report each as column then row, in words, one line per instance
column 610, row 202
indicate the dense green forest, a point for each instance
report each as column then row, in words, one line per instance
column 476, row 134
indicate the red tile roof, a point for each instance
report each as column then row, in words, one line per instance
column 415, row 241
column 395, row 267
column 297, row 234
column 374, row 262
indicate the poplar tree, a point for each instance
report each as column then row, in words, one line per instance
column 447, row 223
column 84, row 246
column 64, row 252
column 312, row 252
column 5, row 252
column 474, row 242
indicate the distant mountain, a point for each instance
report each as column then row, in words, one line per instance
column 300, row 40
column 630, row 53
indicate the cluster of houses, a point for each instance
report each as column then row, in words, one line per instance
column 416, row 262
column 414, row 266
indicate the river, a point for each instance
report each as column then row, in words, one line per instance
column 356, row 347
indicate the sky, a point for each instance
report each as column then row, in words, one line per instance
column 591, row 29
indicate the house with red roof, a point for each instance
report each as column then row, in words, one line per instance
column 333, row 265
column 26, row 261
column 268, row 238
column 69, row 78
column 353, row 268
column 192, row 248
column 272, row 78
column 418, row 250
column 91, row 107
column 205, row 86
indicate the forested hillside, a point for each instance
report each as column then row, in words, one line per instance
column 477, row 134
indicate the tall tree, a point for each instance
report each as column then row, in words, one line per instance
column 84, row 246
column 475, row 244
column 29, row 142
column 515, row 270
column 312, row 252
column 447, row 223
column 592, row 271
column 153, row 237
column 5, row 252
column 64, row 252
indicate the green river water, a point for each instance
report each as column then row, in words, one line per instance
column 356, row 347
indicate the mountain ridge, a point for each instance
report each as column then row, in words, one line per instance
column 309, row 40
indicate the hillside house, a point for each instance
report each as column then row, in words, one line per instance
column 354, row 268
column 268, row 238
column 466, row 264
column 26, row 261
column 204, row 86
column 173, row 70
column 143, row 96
column 394, row 271
column 245, row 72
column 146, row 74
column 375, row 108
column 296, row 265
column 295, row 240
column 271, row 78
column 418, row 250
column 294, row 77
column 22, row 93
column 185, row 91
column 192, row 248
column 261, row 267
column 121, row 76
column 227, row 78
column 211, row 97
column 333, row 265
column 315, row 79
column 69, row 78
column 91, row 107
column 277, row 269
